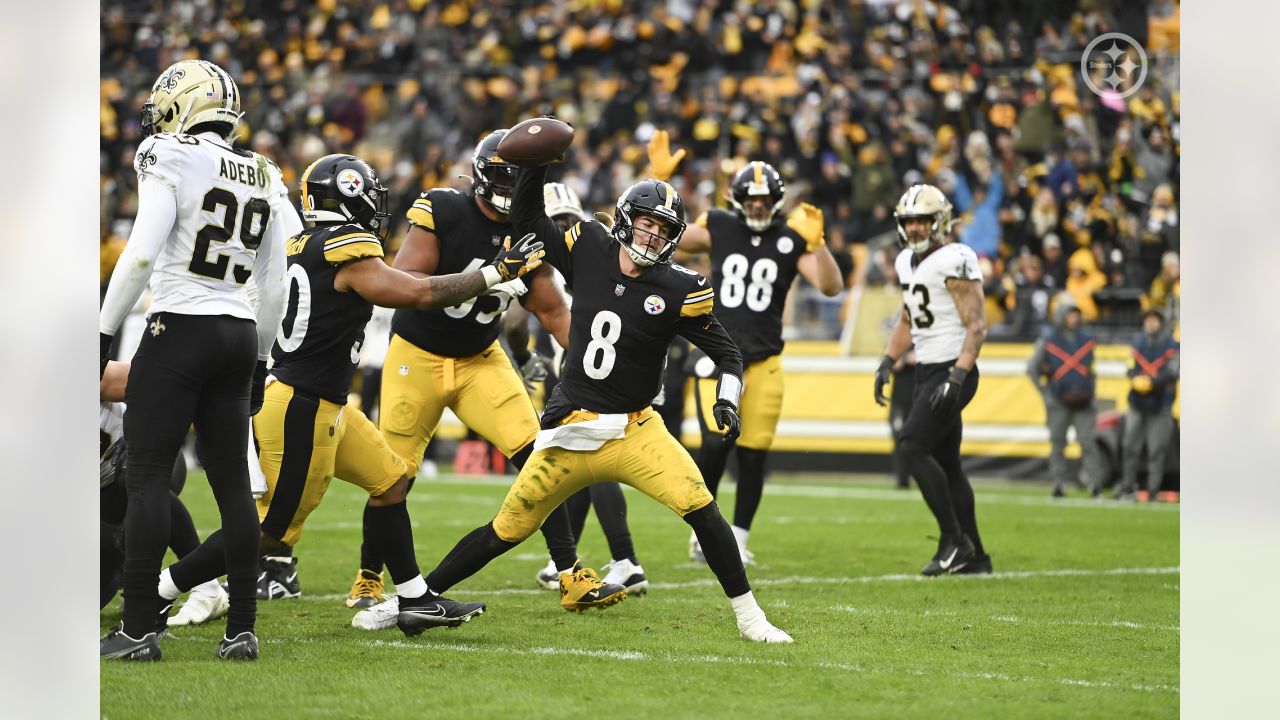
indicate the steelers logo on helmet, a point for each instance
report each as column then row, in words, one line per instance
column 654, row 305
column 350, row 183
column 344, row 189
column 753, row 183
column 655, row 199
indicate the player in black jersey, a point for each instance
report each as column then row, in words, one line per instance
column 542, row 364
column 450, row 357
column 755, row 257
column 305, row 433
column 629, row 301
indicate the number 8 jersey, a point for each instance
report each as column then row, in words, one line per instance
column 226, row 201
column 936, row 327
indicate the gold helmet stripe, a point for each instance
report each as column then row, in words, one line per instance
column 302, row 185
column 759, row 167
column 670, row 191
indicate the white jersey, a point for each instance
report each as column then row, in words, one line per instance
column 227, row 201
column 936, row 327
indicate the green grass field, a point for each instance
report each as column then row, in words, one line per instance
column 1080, row 619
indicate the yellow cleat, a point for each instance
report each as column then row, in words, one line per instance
column 582, row 588
column 366, row 591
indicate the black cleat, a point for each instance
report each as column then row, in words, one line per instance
column 278, row 579
column 441, row 612
column 952, row 554
column 243, row 647
column 119, row 646
column 978, row 565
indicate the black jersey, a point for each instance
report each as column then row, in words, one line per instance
column 620, row 327
column 317, row 346
column 752, row 273
column 468, row 240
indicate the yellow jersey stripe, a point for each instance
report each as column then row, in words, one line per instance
column 700, row 295
column 343, row 238
column 422, row 217
column 357, row 247
column 701, row 307
column 571, row 236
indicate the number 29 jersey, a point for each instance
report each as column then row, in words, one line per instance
column 468, row 240
column 227, row 200
column 936, row 327
column 752, row 272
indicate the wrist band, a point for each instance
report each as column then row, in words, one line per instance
column 729, row 389
column 491, row 275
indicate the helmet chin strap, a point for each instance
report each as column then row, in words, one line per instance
column 638, row 257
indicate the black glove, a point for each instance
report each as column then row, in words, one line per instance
column 533, row 368
column 726, row 416
column 104, row 353
column 883, row 373
column 946, row 397
column 258, row 387
column 520, row 257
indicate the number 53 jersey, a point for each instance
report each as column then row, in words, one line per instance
column 227, row 199
column 936, row 327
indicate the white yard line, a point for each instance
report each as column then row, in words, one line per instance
column 704, row 660
column 898, row 612
column 854, row 493
column 812, row 580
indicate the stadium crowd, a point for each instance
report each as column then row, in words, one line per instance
column 1056, row 188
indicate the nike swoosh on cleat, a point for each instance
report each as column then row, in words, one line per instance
column 594, row 594
column 947, row 563
column 291, row 578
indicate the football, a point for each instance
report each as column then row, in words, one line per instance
column 536, row 141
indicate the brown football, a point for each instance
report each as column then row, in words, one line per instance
column 536, row 141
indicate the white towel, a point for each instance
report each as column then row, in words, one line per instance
column 257, row 479
column 584, row 436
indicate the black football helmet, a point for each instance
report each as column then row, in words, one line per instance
column 757, row 179
column 344, row 189
column 658, row 200
column 494, row 178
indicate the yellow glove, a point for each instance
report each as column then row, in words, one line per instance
column 662, row 164
column 1142, row 384
column 806, row 220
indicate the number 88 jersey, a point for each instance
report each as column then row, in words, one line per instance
column 936, row 327
column 226, row 199
column 752, row 273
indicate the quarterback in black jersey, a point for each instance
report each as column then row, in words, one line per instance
column 756, row 254
column 450, row 357
column 629, row 301
column 305, row 433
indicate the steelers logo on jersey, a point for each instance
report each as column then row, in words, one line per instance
column 786, row 245
column 350, row 183
column 654, row 305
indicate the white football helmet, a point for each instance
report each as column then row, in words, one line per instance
column 560, row 199
column 188, row 93
column 924, row 201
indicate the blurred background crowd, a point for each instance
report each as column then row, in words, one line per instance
column 1062, row 192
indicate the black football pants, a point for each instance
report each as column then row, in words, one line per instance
column 189, row 369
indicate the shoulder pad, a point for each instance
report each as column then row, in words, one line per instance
column 163, row 156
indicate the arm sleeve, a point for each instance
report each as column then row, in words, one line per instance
column 708, row 335
column 269, row 269
column 529, row 215
column 157, row 212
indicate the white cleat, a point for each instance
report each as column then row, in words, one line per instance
column 628, row 575
column 549, row 577
column 206, row 602
column 695, row 549
column 379, row 617
column 764, row 631
column 748, row 557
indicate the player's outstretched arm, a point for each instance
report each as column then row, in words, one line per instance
column 419, row 254
column 383, row 285
column 708, row 335
column 973, row 313
column 817, row 265
column 545, row 301
column 529, row 215
column 114, row 382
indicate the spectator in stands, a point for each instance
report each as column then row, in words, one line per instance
column 1153, row 375
column 1030, row 309
column 1062, row 369
column 1055, row 265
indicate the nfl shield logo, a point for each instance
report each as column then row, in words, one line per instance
column 618, row 290
column 497, row 240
